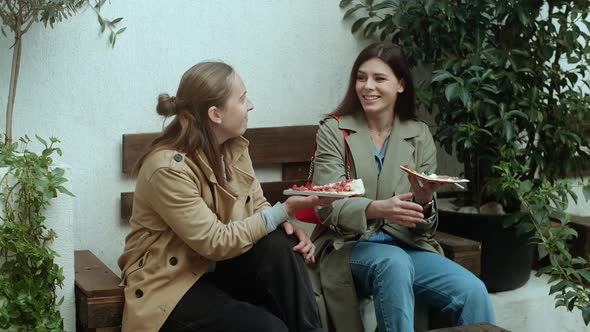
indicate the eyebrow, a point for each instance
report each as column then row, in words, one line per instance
column 376, row 74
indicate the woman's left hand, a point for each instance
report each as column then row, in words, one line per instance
column 423, row 190
column 305, row 246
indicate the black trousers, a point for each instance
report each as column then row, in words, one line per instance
column 266, row 289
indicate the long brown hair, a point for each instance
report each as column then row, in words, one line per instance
column 393, row 56
column 204, row 85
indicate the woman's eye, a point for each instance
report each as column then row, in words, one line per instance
column 361, row 78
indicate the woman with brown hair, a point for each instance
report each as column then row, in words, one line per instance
column 382, row 245
column 197, row 208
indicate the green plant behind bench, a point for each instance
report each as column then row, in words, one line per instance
column 507, row 87
column 29, row 275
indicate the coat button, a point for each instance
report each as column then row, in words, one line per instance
column 178, row 157
column 248, row 199
column 138, row 293
column 141, row 263
column 173, row 261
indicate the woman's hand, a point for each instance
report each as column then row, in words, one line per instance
column 294, row 203
column 423, row 190
column 305, row 246
column 398, row 210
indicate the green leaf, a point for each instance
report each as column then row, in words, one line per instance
column 586, row 314
column 586, row 192
column 117, row 20
column 585, row 274
column 120, row 31
column 350, row 11
column 345, row 3
column 542, row 250
column 451, row 91
column 358, row 24
column 441, row 75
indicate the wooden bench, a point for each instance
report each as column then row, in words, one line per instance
column 100, row 299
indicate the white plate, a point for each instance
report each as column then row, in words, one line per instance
column 447, row 179
column 356, row 184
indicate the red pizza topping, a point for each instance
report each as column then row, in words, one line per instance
column 337, row 187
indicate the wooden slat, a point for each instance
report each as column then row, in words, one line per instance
column 273, row 191
column 93, row 278
column 126, row 205
column 281, row 145
column 464, row 252
column 134, row 146
column 296, row 171
column 271, row 145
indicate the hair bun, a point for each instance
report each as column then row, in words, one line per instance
column 166, row 105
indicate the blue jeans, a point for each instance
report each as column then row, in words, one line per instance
column 395, row 274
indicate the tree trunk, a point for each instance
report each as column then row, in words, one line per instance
column 16, row 54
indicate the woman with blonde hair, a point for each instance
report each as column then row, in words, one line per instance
column 203, row 253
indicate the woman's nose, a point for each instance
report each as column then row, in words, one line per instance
column 369, row 84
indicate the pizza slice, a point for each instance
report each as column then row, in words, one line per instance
column 346, row 188
column 446, row 179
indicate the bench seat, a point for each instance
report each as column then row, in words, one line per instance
column 99, row 299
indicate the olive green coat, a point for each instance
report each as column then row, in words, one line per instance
column 344, row 222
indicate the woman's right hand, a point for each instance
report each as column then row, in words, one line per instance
column 294, row 203
column 398, row 210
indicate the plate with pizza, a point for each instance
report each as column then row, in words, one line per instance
column 445, row 179
column 346, row 188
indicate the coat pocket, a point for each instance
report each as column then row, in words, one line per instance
column 135, row 268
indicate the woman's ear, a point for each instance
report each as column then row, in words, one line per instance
column 402, row 86
column 214, row 114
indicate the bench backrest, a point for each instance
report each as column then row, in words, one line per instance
column 290, row 147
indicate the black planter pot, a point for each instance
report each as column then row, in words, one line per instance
column 506, row 259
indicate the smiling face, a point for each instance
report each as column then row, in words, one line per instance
column 377, row 86
column 231, row 119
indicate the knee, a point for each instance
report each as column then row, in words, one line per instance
column 268, row 323
column 278, row 241
column 395, row 263
column 474, row 290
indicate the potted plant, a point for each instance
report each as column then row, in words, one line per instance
column 29, row 276
column 506, row 86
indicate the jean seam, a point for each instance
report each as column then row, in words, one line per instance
column 455, row 304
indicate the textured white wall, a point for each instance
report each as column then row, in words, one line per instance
column 293, row 55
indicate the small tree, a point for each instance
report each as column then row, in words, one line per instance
column 29, row 275
column 20, row 15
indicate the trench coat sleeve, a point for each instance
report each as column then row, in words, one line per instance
column 345, row 214
column 426, row 163
column 176, row 198
column 258, row 199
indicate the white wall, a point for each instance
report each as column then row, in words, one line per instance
column 294, row 56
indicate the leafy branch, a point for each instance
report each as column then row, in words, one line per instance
column 29, row 275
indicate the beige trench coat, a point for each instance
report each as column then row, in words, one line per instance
column 182, row 221
column 344, row 222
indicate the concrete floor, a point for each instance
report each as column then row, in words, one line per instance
column 531, row 309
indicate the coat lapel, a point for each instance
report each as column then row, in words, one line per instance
column 399, row 152
column 360, row 145
column 225, row 200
